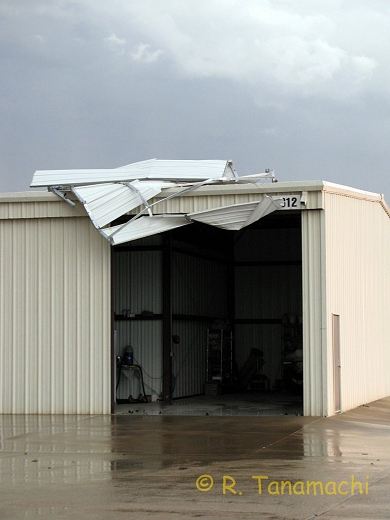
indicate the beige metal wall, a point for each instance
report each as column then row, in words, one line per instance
column 314, row 315
column 41, row 204
column 55, row 300
column 55, row 333
column 358, row 290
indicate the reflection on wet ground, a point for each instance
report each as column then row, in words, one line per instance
column 176, row 466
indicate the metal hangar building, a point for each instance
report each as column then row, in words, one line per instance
column 199, row 270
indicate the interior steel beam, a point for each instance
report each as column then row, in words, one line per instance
column 167, row 316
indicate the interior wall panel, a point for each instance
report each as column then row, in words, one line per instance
column 138, row 282
column 198, row 289
column 268, row 285
column 198, row 286
column 268, row 292
column 268, row 339
column 138, row 289
column 145, row 337
column 269, row 245
column 189, row 360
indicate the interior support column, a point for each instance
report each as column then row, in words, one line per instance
column 167, row 316
column 230, row 286
column 231, row 303
column 113, row 358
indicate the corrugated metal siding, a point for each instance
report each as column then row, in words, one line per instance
column 44, row 204
column 198, row 289
column 189, row 361
column 268, row 292
column 146, row 339
column 265, row 293
column 50, row 206
column 199, row 286
column 138, row 288
column 314, row 316
column 269, row 245
column 358, row 290
column 55, row 320
column 138, row 281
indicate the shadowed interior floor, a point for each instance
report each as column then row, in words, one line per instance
column 244, row 404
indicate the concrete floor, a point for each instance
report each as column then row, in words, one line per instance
column 243, row 404
column 132, row 466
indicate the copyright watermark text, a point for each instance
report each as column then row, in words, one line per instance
column 265, row 485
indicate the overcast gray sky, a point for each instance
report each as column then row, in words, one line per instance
column 300, row 86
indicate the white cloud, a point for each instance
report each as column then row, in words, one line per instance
column 117, row 44
column 40, row 39
column 113, row 39
column 296, row 47
column 282, row 47
column 143, row 53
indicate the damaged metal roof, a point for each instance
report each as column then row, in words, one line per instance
column 108, row 194
column 150, row 169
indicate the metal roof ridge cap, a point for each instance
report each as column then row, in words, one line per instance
column 191, row 160
column 145, row 162
column 29, row 196
column 232, row 187
column 340, row 189
column 384, row 205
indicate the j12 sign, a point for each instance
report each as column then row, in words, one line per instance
column 289, row 201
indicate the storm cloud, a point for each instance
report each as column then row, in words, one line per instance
column 301, row 86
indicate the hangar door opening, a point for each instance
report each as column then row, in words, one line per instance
column 206, row 310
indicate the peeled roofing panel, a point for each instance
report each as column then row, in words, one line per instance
column 143, row 227
column 228, row 217
column 151, row 169
column 236, row 216
column 106, row 202
column 90, row 176
column 186, row 169
column 264, row 207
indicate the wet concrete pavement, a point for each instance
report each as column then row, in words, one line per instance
column 138, row 467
